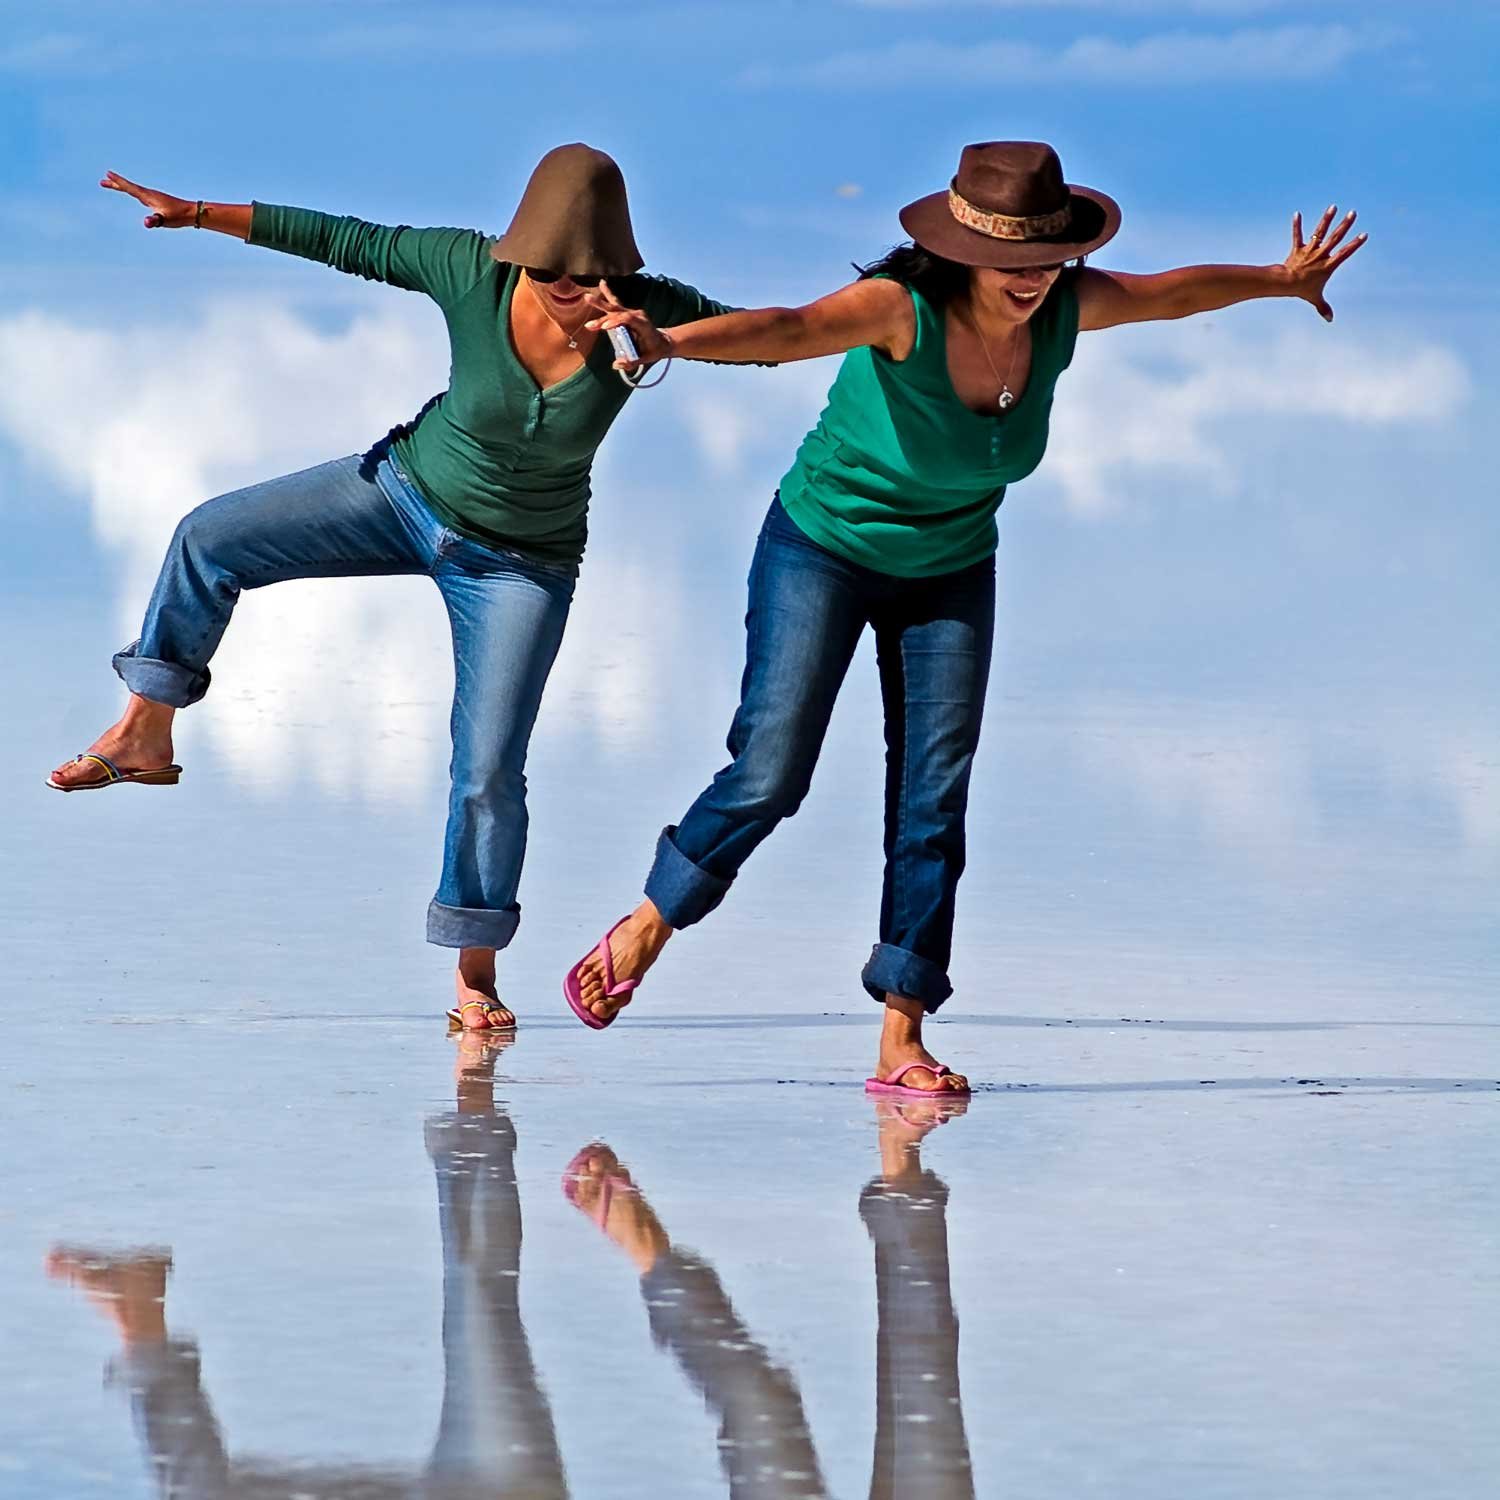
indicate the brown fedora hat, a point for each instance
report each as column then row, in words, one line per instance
column 574, row 218
column 1008, row 208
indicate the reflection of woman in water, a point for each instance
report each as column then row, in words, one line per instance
column 486, row 491
column 921, row 1449
column 495, row 1436
column 887, row 518
column 765, row 1446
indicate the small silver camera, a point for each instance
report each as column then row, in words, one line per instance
column 624, row 345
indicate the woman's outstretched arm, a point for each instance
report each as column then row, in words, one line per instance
column 443, row 263
column 876, row 312
column 1108, row 298
column 167, row 212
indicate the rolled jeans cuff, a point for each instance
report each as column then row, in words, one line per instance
column 160, row 681
column 895, row 971
column 471, row 926
column 681, row 891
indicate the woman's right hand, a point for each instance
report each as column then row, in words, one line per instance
column 166, row 212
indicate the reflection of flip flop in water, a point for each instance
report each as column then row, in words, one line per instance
column 591, row 1180
column 765, row 1445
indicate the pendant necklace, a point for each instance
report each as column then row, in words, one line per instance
column 1007, row 396
column 572, row 338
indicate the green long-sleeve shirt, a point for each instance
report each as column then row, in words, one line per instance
column 496, row 457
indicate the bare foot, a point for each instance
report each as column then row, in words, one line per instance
column 478, row 1004
column 129, row 1289
column 600, row 1187
column 634, row 947
column 901, row 1042
column 140, row 741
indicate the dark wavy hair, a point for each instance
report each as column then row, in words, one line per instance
column 939, row 280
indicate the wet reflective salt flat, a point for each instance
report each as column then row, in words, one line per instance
column 700, row 1262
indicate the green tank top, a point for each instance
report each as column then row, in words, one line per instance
column 899, row 475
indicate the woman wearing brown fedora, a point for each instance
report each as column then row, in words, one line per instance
column 486, row 491
column 953, row 346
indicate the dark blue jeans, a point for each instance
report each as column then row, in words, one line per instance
column 363, row 517
column 808, row 608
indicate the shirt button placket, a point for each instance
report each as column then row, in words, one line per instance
column 534, row 415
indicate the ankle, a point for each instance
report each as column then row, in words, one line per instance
column 650, row 925
column 903, row 1020
column 147, row 720
column 476, row 966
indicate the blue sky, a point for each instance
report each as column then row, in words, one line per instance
column 737, row 123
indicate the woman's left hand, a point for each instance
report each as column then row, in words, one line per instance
column 650, row 342
column 1311, row 263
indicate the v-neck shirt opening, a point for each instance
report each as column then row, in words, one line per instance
column 899, row 474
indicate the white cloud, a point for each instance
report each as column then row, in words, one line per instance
column 146, row 422
column 1120, row 416
column 1256, row 780
column 1137, row 406
column 1179, row 57
column 743, row 425
column 142, row 422
column 343, row 682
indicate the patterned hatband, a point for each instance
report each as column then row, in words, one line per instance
column 1005, row 226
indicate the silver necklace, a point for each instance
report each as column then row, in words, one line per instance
column 1007, row 396
column 572, row 338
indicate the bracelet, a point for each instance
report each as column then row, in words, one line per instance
column 198, row 217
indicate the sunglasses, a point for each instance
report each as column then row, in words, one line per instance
column 1026, row 270
column 546, row 278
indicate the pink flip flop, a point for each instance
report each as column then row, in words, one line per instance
column 573, row 986
column 891, row 1083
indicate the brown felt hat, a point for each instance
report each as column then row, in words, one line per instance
column 1010, row 208
column 573, row 219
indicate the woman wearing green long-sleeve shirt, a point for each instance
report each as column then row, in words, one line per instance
column 486, row 490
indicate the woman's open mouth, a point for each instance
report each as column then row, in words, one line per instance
column 1023, row 299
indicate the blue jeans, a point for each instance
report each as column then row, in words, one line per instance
column 357, row 517
column 808, row 608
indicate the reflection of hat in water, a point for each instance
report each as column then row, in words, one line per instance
column 574, row 218
column 1009, row 207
